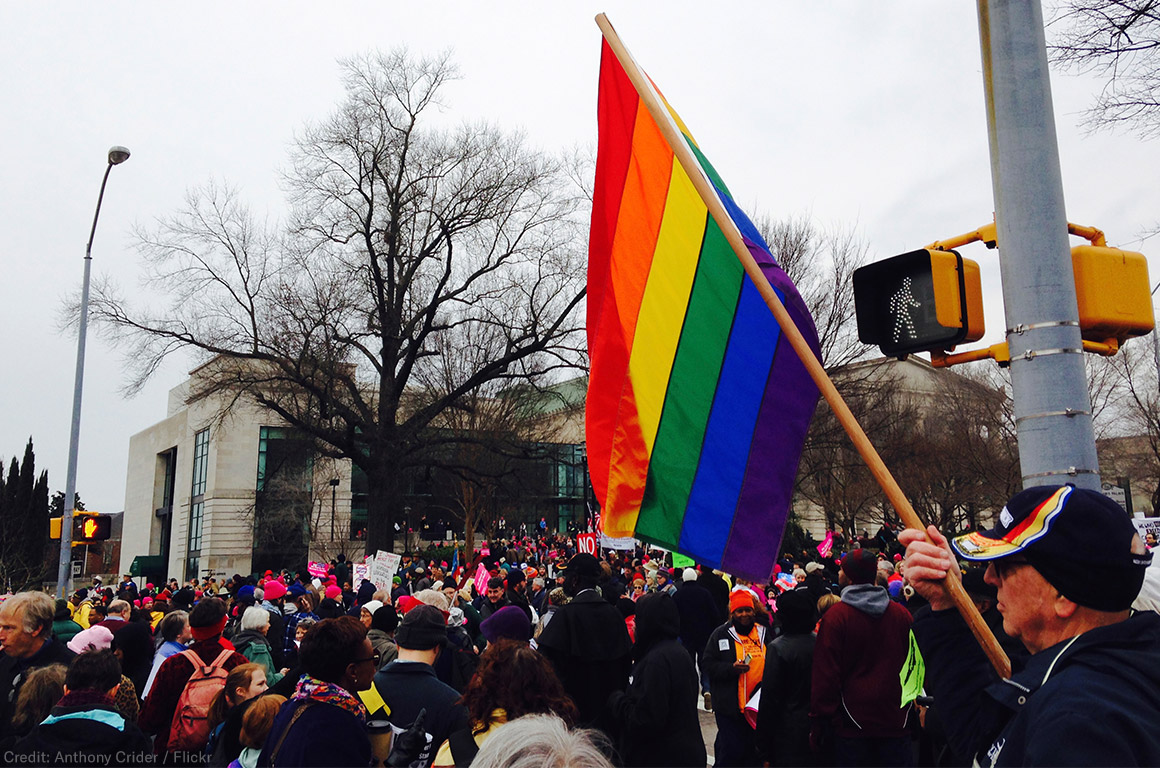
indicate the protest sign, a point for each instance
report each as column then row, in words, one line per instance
column 626, row 542
column 1146, row 525
column 481, row 577
column 586, row 542
column 913, row 673
column 383, row 569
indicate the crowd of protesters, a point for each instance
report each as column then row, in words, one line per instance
column 555, row 657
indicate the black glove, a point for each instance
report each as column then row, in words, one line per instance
column 409, row 744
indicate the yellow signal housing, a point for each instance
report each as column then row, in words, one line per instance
column 54, row 527
column 1113, row 293
column 950, row 291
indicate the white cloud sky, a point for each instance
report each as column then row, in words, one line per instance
column 867, row 114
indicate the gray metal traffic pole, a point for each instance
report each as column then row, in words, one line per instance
column 1052, row 406
column 1156, row 343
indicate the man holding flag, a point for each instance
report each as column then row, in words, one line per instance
column 1090, row 693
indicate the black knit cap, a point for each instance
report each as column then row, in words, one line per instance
column 422, row 629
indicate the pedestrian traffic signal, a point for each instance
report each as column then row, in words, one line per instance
column 919, row 301
column 89, row 527
column 1113, row 293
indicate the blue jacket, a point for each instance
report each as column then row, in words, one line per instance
column 1090, row 700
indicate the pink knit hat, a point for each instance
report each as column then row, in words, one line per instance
column 274, row 589
column 333, row 592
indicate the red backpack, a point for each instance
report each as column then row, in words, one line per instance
column 190, row 728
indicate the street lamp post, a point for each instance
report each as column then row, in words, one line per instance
column 333, row 503
column 117, row 155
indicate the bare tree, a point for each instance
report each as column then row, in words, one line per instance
column 1117, row 40
column 821, row 263
column 403, row 232
column 963, row 459
column 1132, row 448
column 832, row 475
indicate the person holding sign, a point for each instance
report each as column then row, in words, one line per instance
column 1090, row 692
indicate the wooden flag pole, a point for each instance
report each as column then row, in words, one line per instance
column 862, row 444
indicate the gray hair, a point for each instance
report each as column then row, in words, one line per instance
column 259, row 594
column 120, row 606
column 538, row 582
column 432, row 597
column 255, row 618
column 543, row 741
column 37, row 611
column 172, row 625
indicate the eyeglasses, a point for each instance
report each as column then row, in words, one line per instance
column 376, row 659
column 1004, row 566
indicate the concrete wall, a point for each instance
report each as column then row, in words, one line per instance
column 231, row 479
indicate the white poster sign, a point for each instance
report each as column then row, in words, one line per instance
column 383, row 568
column 610, row 543
column 1146, row 525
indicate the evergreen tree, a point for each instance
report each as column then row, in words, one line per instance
column 37, row 533
column 23, row 523
column 56, row 505
column 12, row 484
column 22, row 498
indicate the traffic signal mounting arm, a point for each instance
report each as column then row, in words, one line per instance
column 1112, row 291
column 985, row 234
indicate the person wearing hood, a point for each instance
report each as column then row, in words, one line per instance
column 366, row 593
column 134, row 648
column 656, row 717
column 862, row 644
column 63, row 627
column 381, row 633
column 85, row 727
column 783, row 725
column 252, row 642
column 1089, row 694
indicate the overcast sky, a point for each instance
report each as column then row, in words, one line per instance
column 862, row 114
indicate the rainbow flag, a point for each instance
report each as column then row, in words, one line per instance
column 697, row 407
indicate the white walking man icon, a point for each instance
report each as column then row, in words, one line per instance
column 900, row 305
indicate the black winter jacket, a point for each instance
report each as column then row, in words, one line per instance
column 13, row 673
column 657, row 717
column 1090, row 700
column 407, row 687
column 588, row 645
column 783, row 720
column 84, row 735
